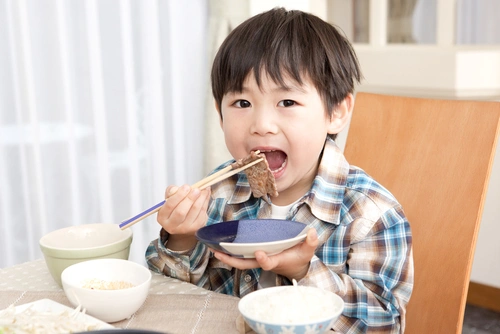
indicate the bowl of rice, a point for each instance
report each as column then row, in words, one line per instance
column 291, row 309
column 108, row 289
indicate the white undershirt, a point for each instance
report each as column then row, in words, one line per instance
column 280, row 212
column 268, row 278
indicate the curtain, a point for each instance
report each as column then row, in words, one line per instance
column 477, row 22
column 224, row 15
column 414, row 21
column 399, row 21
column 101, row 107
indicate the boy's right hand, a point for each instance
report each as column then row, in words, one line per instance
column 184, row 213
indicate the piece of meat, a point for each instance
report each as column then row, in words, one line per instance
column 260, row 177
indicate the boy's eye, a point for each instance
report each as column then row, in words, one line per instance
column 242, row 104
column 286, row 103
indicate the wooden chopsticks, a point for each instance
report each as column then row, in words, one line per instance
column 202, row 184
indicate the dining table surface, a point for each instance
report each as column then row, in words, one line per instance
column 172, row 306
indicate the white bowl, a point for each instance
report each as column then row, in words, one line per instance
column 291, row 309
column 64, row 247
column 107, row 305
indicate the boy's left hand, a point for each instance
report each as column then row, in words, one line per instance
column 292, row 263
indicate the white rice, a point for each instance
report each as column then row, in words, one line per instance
column 98, row 284
column 291, row 305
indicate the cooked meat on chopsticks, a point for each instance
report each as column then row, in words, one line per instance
column 259, row 176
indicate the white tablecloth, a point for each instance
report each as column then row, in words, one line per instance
column 34, row 276
column 173, row 306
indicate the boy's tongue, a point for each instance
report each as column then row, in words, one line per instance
column 275, row 159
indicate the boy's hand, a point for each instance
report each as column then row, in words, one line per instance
column 184, row 213
column 292, row 263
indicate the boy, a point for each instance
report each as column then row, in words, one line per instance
column 283, row 84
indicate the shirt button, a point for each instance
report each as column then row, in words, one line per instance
column 179, row 265
column 248, row 278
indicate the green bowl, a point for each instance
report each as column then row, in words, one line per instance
column 64, row 247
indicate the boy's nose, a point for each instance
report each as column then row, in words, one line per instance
column 263, row 122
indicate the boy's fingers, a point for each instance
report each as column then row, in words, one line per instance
column 265, row 262
column 238, row 263
column 194, row 194
column 170, row 191
column 177, row 195
column 312, row 238
column 308, row 247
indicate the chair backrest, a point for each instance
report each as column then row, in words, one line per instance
column 435, row 156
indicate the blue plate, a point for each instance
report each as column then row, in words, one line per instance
column 241, row 238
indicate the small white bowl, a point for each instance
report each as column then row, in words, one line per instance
column 66, row 246
column 107, row 305
column 291, row 309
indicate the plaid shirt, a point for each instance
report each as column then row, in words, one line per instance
column 365, row 253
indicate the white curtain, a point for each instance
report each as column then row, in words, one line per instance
column 476, row 22
column 224, row 15
column 101, row 107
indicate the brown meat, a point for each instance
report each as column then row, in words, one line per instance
column 259, row 176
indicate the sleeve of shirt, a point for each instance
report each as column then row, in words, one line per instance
column 187, row 266
column 372, row 273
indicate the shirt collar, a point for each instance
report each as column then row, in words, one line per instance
column 327, row 191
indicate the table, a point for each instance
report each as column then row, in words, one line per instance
column 172, row 306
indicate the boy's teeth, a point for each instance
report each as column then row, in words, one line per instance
column 276, row 159
column 279, row 169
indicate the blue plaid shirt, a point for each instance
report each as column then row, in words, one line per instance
column 365, row 253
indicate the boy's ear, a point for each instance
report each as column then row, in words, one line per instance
column 341, row 115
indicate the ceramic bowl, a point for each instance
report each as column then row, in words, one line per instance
column 64, row 247
column 291, row 309
column 242, row 238
column 109, row 289
column 122, row 331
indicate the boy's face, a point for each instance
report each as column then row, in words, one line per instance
column 288, row 125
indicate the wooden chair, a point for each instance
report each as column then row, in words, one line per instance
column 435, row 156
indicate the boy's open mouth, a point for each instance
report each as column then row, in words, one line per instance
column 276, row 160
